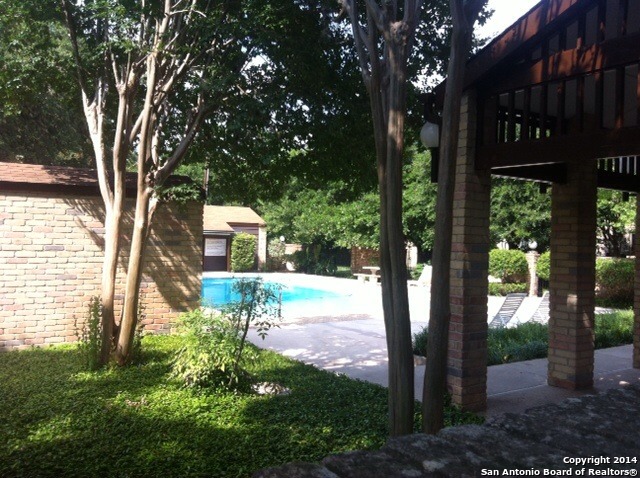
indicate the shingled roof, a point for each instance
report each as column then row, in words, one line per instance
column 219, row 218
column 62, row 178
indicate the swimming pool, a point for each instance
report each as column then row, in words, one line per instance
column 219, row 291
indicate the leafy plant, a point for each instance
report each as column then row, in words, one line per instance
column 243, row 252
column 207, row 357
column 615, row 282
column 259, row 305
column 530, row 340
column 526, row 341
column 314, row 260
column 509, row 265
column 90, row 335
column 420, row 340
column 500, row 289
column 214, row 353
column 275, row 254
column 543, row 267
column 614, row 329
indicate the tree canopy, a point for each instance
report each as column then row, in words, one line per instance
column 519, row 213
column 41, row 119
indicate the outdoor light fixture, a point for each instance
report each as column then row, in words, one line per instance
column 533, row 245
column 430, row 132
column 281, row 238
column 430, row 135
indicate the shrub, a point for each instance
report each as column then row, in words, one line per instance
column 214, row 354
column 420, row 342
column 500, row 289
column 513, row 344
column 275, row 254
column 243, row 252
column 614, row 281
column 415, row 274
column 612, row 330
column 530, row 340
column 508, row 265
column 208, row 354
column 543, row 268
column 313, row 260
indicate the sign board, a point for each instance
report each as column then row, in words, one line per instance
column 215, row 247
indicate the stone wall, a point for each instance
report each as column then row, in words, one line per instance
column 51, row 258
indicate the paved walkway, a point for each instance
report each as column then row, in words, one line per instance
column 585, row 433
column 355, row 345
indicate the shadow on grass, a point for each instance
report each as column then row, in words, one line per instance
column 61, row 421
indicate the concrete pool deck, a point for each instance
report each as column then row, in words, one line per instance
column 350, row 339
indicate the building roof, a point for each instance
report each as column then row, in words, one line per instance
column 62, row 178
column 220, row 218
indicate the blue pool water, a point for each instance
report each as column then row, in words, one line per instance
column 219, row 291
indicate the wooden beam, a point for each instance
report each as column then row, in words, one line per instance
column 570, row 147
column 613, row 53
column 618, row 181
column 550, row 173
column 531, row 27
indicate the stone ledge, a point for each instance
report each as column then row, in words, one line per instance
column 593, row 425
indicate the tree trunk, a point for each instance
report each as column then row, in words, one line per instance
column 392, row 249
column 109, row 270
column 134, row 276
column 437, row 346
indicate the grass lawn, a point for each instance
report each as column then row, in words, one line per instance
column 58, row 420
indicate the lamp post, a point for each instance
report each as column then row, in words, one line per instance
column 430, row 134
column 532, row 261
column 430, row 138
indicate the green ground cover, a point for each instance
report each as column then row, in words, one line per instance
column 59, row 420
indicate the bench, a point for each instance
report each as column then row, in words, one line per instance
column 373, row 277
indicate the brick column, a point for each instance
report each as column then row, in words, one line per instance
column 467, row 364
column 572, row 281
column 636, row 302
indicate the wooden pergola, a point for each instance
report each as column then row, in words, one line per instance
column 554, row 99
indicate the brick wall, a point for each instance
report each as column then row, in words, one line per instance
column 51, row 258
column 361, row 257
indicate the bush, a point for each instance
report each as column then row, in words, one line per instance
column 243, row 252
column 615, row 329
column 513, row 344
column 508, row 265
column 208, row 355
column 615, row 282
column 414, row 274
column 543, row 268
column 420, row 342
column 275, row 254
column 214, row 354
column 530, row 340
column 499, row 289
column 313, row 260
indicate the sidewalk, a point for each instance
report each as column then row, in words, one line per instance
column 356, row 346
